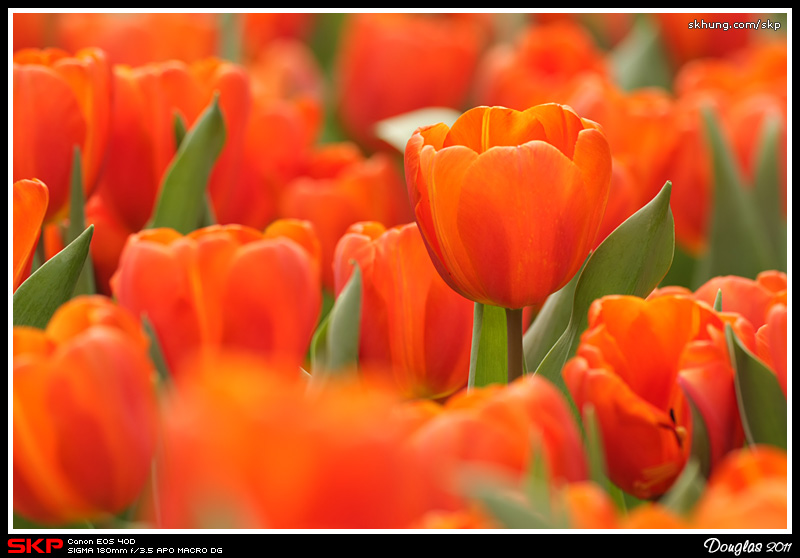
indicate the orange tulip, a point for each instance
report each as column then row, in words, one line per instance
column 752, row 299
column 282, row 130
column 85, row 413
column 771, row 341
column 60, row 102
column 389, row 64
column 224, row 286
column 412, row 323
column 142, row 38
column 633, row 364
column 749, row 490
column 499, row 430
column 546, row 62
column 30, row 205
column 685, row 39
column 261, row 30
column 641, row 133
column 509, row 203
column 248, row 445
column 142, row 146
column 341, row 187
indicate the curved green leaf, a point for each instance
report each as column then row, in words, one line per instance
column 632, row 260
column 686, row 490
column 50, row 286
column 334, row 346
column 182, row 199
column 77, row 224
column 488, row 360
column 762, row 405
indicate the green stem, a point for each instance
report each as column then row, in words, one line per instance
column 514, row 337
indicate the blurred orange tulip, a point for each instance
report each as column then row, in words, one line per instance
column 85, row 413
column 691, row 36
column 283, row 127
column 509, row 203
column 499, row 430
column 749, row 490
column 224, row 286
column 391, row 63
column 546, row 61
column 642, row 135
column 29, row 205
column 142, row 145
column 633, row 364
column 248, row 445
column 412, row 323
column 60, row 102
column 340, row 187
column 142, row 38
column 771, row 339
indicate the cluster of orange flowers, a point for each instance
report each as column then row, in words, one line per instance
column 182, row 392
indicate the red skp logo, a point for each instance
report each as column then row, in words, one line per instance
column 29, row 546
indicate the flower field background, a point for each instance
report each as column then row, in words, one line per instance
column 400, row 271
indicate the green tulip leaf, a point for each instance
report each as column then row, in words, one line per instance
column 686, row 490
column 182, row 199
column 595, row 453
column 77, row 224
column 503, row 505
column 334, row 346
column 156, row 354
column 632, row 260
column 488, row 361
column 639, row 60
column 52, row 284
column 738, row 239
column 768, row 191
column 762, row 404
column 397, row 130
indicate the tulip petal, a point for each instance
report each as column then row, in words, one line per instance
column 30, row 199
column 518, row 254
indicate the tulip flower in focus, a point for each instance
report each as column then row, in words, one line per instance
column 633, row 365
column 224, row 286
column 60, row 102
column 749, row 490
column 341, row 187
column 29, row 205
column 509, row 203
column 390, row 64
column 85, row 414
column 248, row 445
column 412, row 323
column 499, row 429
